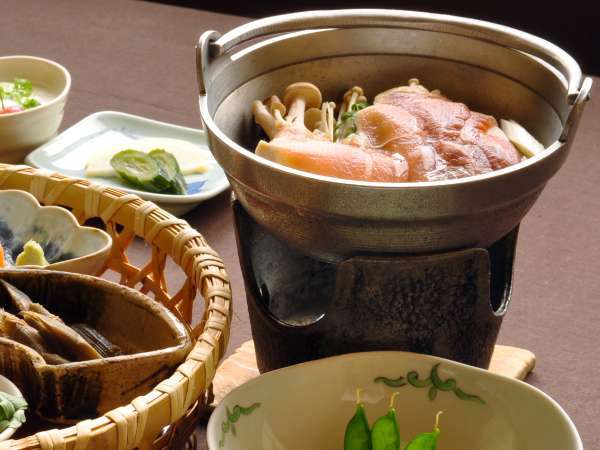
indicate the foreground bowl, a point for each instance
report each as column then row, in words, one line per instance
column 307, row 406
column 493, row 69
column 153, row 340
column 21, row 132
column 67, row 245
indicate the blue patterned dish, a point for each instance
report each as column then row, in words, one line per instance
column 67, row 245
column 69, row 152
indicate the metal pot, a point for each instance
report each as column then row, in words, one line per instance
column 492, row 68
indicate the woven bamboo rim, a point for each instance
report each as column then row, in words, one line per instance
column 138, row 424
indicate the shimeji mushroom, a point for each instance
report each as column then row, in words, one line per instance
column 312, row 119
column 327, row 118
column 321, row 121
column 351, row 97
column 345, row 123
column 265, row 119
column 414, row 86
column 276, row 107
column 298, row 97
column 270, row 114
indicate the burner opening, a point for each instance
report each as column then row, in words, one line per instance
column 293, row 289
column 502, row 258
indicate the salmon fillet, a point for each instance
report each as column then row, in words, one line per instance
column 336, row 159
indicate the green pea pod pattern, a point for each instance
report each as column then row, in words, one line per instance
column 385, row 434
column 228, row 425
column 358, row 435
column 424, row 441
column 434, row 382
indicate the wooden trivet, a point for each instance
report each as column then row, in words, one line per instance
column 240, row 367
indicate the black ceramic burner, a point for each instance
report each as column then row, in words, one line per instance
column 447, row 304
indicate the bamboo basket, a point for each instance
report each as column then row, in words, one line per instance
column 177, row 401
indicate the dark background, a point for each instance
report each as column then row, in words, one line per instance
column 573, row 25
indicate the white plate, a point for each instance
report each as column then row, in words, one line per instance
column 68, row 153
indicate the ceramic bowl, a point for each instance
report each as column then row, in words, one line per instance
column 308, row 406
column 153, row 341
column 21, row 132
column 9, row 387
column 67, row 245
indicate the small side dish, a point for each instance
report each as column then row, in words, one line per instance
column 86, row 149
column 33, row 95
column 47, row 236
column 407, row 134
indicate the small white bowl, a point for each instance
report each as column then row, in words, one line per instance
column 21, row 132
column 68, row 246
column 9, row 387
column 308, row 406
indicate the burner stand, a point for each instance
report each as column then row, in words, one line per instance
column 448, row 304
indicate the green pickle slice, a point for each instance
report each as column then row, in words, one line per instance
column 140, row 170
column 170, row 165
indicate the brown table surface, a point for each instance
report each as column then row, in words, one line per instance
column 138, row 57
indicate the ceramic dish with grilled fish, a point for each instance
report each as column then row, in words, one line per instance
column 78, row 346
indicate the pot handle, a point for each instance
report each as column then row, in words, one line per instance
column 576, row 110
column 204, row 55
column 212, row 45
